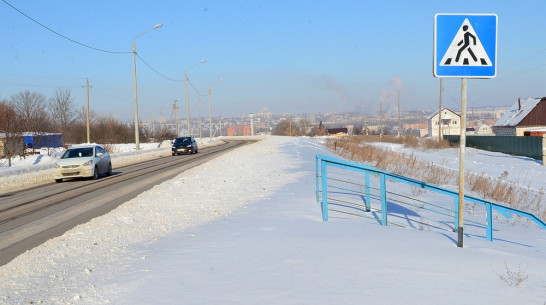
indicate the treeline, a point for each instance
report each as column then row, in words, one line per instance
column 298, row 128
column 29, row 111
column 304, row 127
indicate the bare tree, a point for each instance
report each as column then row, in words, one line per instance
column 109, row 130
column 11, row 144
column 77, row 132
column 305, row 126
column 31, row 107
column 81, row 116
column 62, row 110
column 286, row 128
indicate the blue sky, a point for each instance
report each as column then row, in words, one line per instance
column 280, row 56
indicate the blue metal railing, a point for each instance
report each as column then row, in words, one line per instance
column 323, row 162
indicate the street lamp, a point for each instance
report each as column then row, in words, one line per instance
column 135, row 80
column 188, row 95
column 210, row 116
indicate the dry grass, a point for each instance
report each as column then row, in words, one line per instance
column 514, row 278
column 501, row 190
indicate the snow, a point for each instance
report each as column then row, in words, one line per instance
column 520, row 170
column 244, row 228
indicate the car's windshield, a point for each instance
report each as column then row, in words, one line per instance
column 78, row 153
column 182, row 140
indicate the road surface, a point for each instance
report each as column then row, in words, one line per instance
column 32, row 216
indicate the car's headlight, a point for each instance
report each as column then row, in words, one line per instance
column 88, row 163
column 188, row 145
column 56, row 165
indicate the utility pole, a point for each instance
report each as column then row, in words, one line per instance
column 175, row 108
column 87, row 120
column 380, row 119
column 187, row 105
column 290, row 129
column 210, row 119
column 399, row 121
column 200, row 122
column 440, row 111
column 251, row 124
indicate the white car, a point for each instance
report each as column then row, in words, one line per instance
column 87, row 160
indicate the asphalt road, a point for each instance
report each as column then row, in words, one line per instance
column 32, row 216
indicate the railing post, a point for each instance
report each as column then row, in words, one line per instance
column 456, row 205
column 317, row 178
column 544, row 149
column 489, row 220
column 324, row 191
column 383, row 200
column 368, row 199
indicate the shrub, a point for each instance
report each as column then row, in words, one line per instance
column 501, row 190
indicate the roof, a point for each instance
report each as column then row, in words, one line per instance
column 32, row 134
column 516, row 113
column 541, row 129
column 445, row 116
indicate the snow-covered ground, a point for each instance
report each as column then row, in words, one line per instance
column 244, row 228
column 520, row 170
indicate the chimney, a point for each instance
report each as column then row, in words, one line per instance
column 519, row 103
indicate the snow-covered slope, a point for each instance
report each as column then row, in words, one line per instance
column 244, row 228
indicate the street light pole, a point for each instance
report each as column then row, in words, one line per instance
column 200, row 123
column 188, row 95
column 135, row 83
column 210, row 112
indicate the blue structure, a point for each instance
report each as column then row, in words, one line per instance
column 38, row 140
column 323, row 183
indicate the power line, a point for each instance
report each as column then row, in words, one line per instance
column 61, row 35
column 168, row 78
column 174, row 80
column 196, row 91
column 523, row 60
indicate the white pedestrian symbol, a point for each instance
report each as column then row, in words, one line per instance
column 466, row 49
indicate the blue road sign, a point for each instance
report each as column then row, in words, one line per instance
column 465, row 45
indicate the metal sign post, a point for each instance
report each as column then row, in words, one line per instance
column 461, row 165
column 465, row 46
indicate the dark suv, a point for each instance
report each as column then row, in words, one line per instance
column 184, row 145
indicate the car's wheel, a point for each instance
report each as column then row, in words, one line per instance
column 96, row 173
column 58, row 180
column 109, row 172
column 173, row 154
column 196, row 151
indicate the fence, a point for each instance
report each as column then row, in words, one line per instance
column 533, row 147
column 354, row 193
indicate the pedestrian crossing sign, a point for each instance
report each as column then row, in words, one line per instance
column 465, row 45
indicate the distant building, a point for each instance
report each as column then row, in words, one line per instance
column 234, row 131
column 522, row 116
column 451, row 123
column 337, row 131
column 415, row 126
column 484, row 129
column 33, row 140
